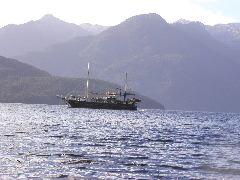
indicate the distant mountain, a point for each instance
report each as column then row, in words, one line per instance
column 93, row 28
column 226, row 33
column 183, row 21
column 37, row 35
column 22, row 83
column 181, row 65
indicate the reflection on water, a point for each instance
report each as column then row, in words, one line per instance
column 41, row 141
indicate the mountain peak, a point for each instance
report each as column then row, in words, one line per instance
column 93, row 28
column 145, row 20
column 187, row 22
column 183, row 21
column 194, row 26
column 49, row 17
column 147, row 17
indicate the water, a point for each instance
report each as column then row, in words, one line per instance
column 42, row 141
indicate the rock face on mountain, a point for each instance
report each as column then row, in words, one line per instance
column 37, row 35
column 181, row 65
column 22, row 83
column 226, row 33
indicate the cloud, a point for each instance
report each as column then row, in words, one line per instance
column 205, row 1
column 194, row 11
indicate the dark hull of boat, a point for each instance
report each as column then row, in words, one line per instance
column 98, row 105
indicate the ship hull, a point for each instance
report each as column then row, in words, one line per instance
column 98, row 105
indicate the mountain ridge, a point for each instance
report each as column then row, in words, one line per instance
column 229, row 34
column 165, row 62
column 38, row 35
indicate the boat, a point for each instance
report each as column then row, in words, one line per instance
column 110, row 100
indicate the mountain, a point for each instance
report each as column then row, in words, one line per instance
column 229, row 34
column 226, row 33
column 37, row 35
column 22, row 83
column 93, row 28
column 11, row 68
column 182, row 66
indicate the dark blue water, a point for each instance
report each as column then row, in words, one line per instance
column 41, row 141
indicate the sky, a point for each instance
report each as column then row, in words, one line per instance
column 112, row 12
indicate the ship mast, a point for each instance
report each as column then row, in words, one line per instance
column 87, row 93
column 125, row 88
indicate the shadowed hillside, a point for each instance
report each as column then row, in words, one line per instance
column 21, row 83
column 12, row 68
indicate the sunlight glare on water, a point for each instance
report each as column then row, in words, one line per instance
column 42, row 141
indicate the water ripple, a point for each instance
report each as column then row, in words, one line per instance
column 42, row 141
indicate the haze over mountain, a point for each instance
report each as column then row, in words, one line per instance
column 22, row 83
column 181, row 65
column 226, row 33
column 37, row 35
